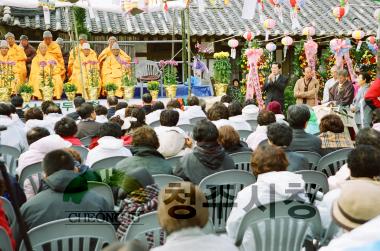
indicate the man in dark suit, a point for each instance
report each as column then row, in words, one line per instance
column 274, row 86
column 298, row 116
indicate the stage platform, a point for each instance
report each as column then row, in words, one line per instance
column 182, row 91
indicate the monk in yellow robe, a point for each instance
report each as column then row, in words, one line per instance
column 7, row 67
column 114, row 67
column 45, row 66
column 89, row 62
column 54, row 50
column 108, row 52
column 18, row 55
column 75, row 52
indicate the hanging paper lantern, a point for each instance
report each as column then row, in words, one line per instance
column 268, row 25
column 371, row 43
column 358, row 35
column 308, row 31
column 286, row 41
column 233, row 43
column 371, row 39
column 339, row 12
column 271, row 47
column 248, row 36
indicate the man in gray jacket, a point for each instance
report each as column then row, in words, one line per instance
column 65, row 193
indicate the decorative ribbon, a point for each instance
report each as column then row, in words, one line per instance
column 341, row 49
column 311, row 49
column 253, row 83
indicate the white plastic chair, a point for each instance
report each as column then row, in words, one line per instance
column 332, row 162
column 312, row 157
column 83, row 151
column 155, row 124
column 195, row 120
column 86, row 141
column 244, row 134
column 280, row 226
column 163, row 179
column 11, row 155
column 9, row 212
column 187, row 128
column 105, row 166
column 73, row 233
column 103, row 190
column 143, row 225
column 147, row 68
column 173, row 161
column 27, row 173
column 253, row 124
column 5, row 242
column 221, row 190
column 316, row 184
column 242, row 161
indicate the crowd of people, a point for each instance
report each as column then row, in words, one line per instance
column 49, row 64
column 146, row 135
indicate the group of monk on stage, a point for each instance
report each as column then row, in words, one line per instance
column 48, row 61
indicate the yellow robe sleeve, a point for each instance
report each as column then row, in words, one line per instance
column 55, row 51
column 18, row 55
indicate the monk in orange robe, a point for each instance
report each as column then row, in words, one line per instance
column 75, row 52
column 17, row 54
column 7, row 67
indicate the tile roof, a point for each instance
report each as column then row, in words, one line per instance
column 214, row 21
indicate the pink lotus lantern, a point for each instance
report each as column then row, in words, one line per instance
column 233, row 43
column 268, row 25
column 308, row 31
column 358, row 35
column 340, row 11
column 286, row 41
column 271, row 47
column 371, row 43
column 248, row 36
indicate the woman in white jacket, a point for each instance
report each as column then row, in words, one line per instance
column 269, row 164
column 109, row 144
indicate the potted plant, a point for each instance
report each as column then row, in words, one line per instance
column 111, row 89
column 93, row 79
column 153, row 88
column 46, row 84
column 7, row 79
column 26, row 92
column 169, row 69
column 128, row 81
column 222, row 72
column 70, row 90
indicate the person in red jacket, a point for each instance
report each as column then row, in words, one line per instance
column 372, row 97
column 4, row 224
column 67, row 128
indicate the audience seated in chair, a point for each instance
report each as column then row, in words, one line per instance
column 18, row 102
column 52, row 115
column 230, row 140
column 134, row 245
column 120, row 109
column 175, row 105
column 363, row 163
column 269, row 165
column 275, row 107
column 264, row 119
column 145, row 154
column 365, row 136
column 112, row 103
column 250, row 110
column 109, row 144
column 14, row 135
column 235, row 115
column 78, row 101
column 184, row 232
column 87, row 125
column 3, row 218
column 193, row 109
column 67, row 128
column 297, row 116
column 139, row 195
column 35, row 118
column 65, row 192
column 332, row 134
column 281, row 135
column 218, row 114
column 101, row 114
column 208, row 156
column 157, row 108
column 147, row 103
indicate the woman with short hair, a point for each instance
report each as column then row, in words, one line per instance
column 230, row 140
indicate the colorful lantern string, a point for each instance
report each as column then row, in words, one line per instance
column 358, row 35
column 253, row 82
column 294, row 10
column 286, row 41
column 249, row 36
column 276, row 4
column 341, row 49
column 268, row 25
column 372, row 46
column 308, row 31
column 233, row 43
column 271, row 47
column 342, row 10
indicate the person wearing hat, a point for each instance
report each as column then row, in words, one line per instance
column 45, row 60
column 114, row 67
column 54, row 50
column 89, row 61
column 17, row 55
column 107, row 52
column 29, row 50
column 74, row 52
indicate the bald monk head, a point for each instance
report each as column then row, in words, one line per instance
column 42, row 48
column 4, row 47
column 48, row 37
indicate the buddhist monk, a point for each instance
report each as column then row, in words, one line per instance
column 89, row 63
column 54, row 50
column 17, row 54
column 75, row 51
column 114, row 67
column 108, row 52
column 7, row 66
column 44, row 64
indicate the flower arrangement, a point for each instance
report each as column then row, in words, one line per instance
column 128, row 78
column 111, row 87
column 153, row 85
column 7, row 75
column 169, row 68
column 69, row 87
column 46, row 73
column 222, row 67
column 25, row 88
column 92, row 73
